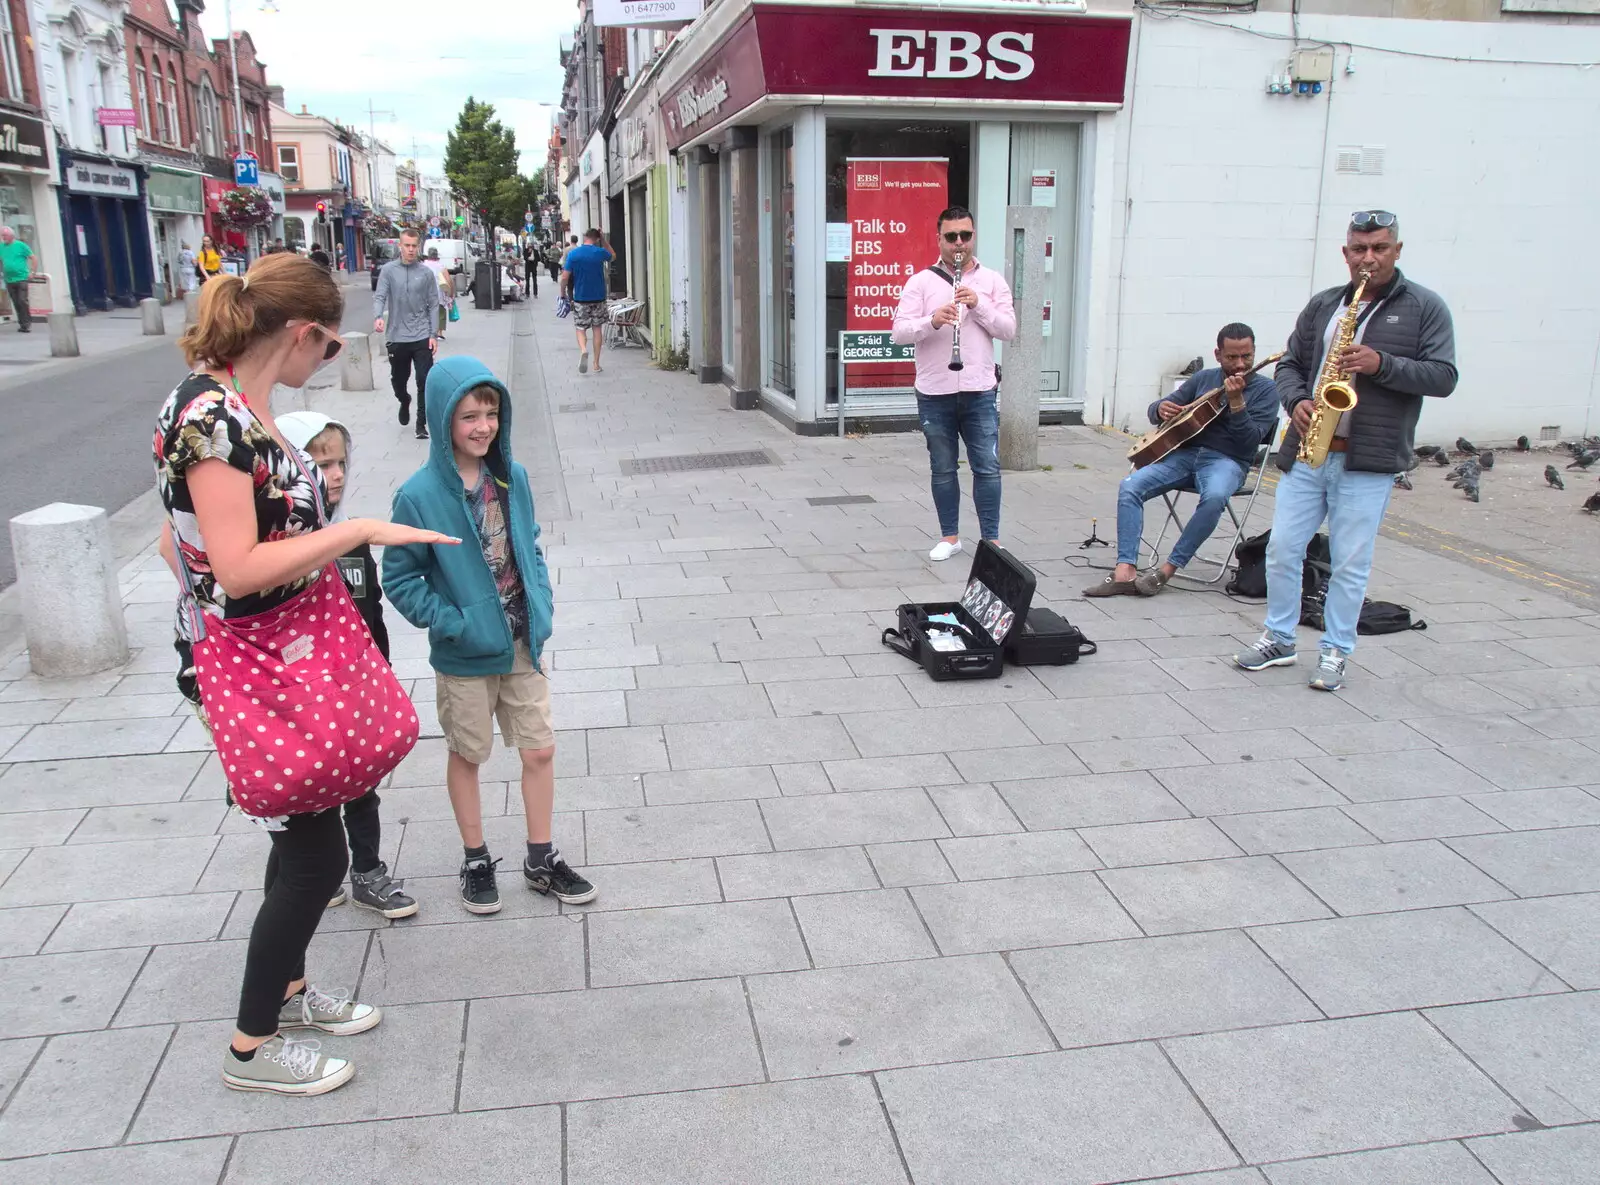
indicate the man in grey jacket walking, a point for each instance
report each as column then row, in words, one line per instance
column 406, row 304
column 1404, row 351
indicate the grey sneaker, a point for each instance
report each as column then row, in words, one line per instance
column 555, row 876
column 1264, row 653
column 479, row 892
column 1329, row 675
column 332, row 1012
column 337, row 899
column 285, row 1065
column 377, row 891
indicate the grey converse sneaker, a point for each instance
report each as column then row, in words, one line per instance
column 332, row 1012
column 377, row 891
column 286, row 1065
column 1329, row 675
column 1263, row 653
column 337, row 899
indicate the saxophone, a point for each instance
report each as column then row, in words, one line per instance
column 1335, row 392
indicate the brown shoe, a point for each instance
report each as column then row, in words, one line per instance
column 1112, row 587
column 1148, row 584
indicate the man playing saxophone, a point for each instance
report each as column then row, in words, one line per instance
column 1400, row 348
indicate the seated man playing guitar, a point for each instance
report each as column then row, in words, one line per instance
column 1215, row 461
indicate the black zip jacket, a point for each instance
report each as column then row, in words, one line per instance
column 1412, row 332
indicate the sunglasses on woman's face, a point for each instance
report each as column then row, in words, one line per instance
column 335, row 342
column 958, row 236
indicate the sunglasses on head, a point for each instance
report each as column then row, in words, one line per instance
column 1372, row 220
column 958, row 236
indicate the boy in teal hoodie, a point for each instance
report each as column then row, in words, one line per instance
column 488, row 614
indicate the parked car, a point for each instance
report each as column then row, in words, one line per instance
column 383, row 250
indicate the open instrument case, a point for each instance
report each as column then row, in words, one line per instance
column 965, row 639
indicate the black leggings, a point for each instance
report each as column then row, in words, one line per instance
column 362, row 825
column 304, row 869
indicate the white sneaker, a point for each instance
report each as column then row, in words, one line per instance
column 943, row 551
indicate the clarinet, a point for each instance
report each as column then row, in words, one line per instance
column 955, row 329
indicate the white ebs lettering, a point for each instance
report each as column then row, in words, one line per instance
column 903, row 53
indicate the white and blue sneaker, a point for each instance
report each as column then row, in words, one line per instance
column 1264, row 653
column 1329, row 675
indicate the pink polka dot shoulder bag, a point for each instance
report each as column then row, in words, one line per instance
column 305, row 712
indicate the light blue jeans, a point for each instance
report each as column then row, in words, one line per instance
column 1353, row 504
column 1215, row 475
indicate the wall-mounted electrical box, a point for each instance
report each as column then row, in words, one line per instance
column 1312, row 65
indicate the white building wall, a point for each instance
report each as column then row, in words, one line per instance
column 83, row 64
column 1226, row 203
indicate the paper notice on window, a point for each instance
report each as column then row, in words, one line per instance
column 1044, row 187
column 838, row 242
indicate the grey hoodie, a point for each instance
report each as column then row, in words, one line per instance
column 407, row 298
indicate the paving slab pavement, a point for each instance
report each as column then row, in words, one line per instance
column 1145, row 918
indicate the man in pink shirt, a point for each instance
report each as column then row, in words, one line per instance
column 959, row 294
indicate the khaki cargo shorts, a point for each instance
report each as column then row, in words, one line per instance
column 469, row 706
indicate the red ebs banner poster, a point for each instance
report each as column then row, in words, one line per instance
column 892, row 205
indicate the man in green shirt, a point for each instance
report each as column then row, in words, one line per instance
column 16, row 259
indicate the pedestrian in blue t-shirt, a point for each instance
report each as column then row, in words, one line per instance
column 583, row 281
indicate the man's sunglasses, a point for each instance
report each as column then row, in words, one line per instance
column 958, row 236
column 335, row 342
column 1372, row 220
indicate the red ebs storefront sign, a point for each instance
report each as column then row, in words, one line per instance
column 902, row 53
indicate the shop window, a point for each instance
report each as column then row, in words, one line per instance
column 294, row 231
column 780, row 330
column 141, row 85
column 929, row 149
column 289, row 163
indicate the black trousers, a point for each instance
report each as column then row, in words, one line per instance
column 533, row 278
column 402, row 357
column 362, row 826
column 18, row 290
column 305, row 868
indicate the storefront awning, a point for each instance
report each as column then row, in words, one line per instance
column 855, row 53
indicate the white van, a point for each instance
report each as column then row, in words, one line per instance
column 457, row 255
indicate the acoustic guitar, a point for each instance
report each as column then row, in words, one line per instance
column 1186, row 425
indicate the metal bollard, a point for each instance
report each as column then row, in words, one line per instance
column 191, row 307
column 153, row 323
column 63, row 335
column 355, row 363
column 67, row 576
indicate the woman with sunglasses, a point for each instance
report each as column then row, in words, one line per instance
column 244, row 510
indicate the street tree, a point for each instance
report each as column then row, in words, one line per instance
column 480, row 154
column 513, row 197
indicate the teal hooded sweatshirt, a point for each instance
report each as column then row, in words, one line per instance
column 448, row 588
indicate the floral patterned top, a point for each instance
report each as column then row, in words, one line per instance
column 201, row 420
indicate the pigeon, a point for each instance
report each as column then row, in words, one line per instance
column 1463, row 445
column 1472, row 492
column 1426, row 450
column 1523, row 444
column 1584, row 459
column 1441, row 458
column 1467, row 468
column 1486, row 458
column 1402, row 482
column 1592, row 502
column 1552, row 476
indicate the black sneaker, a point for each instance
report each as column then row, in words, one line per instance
column 405, row 411
column 377, row 891
column 556, row 876
column 479, row 892
column 422, row 431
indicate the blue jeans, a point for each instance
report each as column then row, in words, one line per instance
column 975, row 418
column 1217, row 477
column 1353, row 504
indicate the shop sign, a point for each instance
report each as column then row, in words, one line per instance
column 873, row 345
column 215, row 187
column 727, row 82
column 117, row 117
column 272, row 184
column 860, row 52
column 92, row 177
column 174, row 193
column 22, row 143
column 592, row 164
column 645, row 12
column 893, row 205
column 631, row 142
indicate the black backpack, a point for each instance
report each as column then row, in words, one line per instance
column 1250, row 580
column 1385, row 617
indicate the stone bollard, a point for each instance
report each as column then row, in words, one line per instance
column 63, row 335
column 152, row 322
column 355, row 363
column 191, row 307
column 67, row 577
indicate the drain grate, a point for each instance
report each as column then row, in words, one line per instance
column 842, row 500
column 572, row 407
column 637, row 466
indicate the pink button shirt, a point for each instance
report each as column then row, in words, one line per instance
column 993, row 319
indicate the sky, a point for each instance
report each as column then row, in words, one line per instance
column 414, row 61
